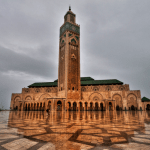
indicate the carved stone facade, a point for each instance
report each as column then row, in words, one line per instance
column 70, row 92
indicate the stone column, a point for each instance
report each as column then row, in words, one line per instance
column 77, row 106
column 53, row 104
column 88, row 106
column 124, row 103
column 63, row 105
column 71, row 105
column 83, row 106
column 93, row 106
column 22, row 106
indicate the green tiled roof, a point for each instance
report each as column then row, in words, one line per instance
column 145, row 99
column 43, row 84
column 86, row 78
column 101, row 82
column 84, row 81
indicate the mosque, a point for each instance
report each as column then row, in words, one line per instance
column 72, row 92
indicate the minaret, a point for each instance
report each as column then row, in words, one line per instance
column 69, row 58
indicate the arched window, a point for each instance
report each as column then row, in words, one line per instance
column 72, row 88
column 73, row 40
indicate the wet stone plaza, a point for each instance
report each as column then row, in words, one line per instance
column 74, row 130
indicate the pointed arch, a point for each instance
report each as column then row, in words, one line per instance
column 28, row 98
column 17, row 98
column 44, row 96
column 118, row 100
column 73, row 40
column 96, row 96
column 132, row 100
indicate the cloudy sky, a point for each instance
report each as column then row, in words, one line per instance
column 115, row 42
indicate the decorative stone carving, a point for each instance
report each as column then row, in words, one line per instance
column 108, row 88
column 83, row 89
column 118, row 99
column 95, row 88
column 28, row 98
column 95, row 98
column 48, row 90
column 44, row 96
column 132, row 100
column 121, row 88
column 27, row 91
column 95, row 95
column 37, row 90
column 17, row 98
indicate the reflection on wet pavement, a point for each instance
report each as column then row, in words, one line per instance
column 74, row 130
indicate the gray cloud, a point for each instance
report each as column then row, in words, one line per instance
column 114, row 42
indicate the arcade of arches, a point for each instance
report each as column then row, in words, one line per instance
column 95, row 102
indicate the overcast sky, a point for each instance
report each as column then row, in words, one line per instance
column 115, row 42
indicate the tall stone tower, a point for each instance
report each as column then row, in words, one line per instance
column 69, row 58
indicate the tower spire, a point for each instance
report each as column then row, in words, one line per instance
column 69, row 7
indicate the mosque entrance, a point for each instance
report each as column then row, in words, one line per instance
column 148, row 107
column 91, row 106
column 49, row 105
column 110, row 106
column 101, row 106
column 59, row 106
column 86, row 106
column 80, row 106
column 132, row 107
column 74, row 106
column 69, row 106
column 96, row 106
column 117, row 108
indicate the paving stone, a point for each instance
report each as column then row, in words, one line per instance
column 19, row 144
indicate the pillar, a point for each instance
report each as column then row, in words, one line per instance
column 83, row 106
column 88, row 106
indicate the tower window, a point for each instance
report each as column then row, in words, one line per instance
column 73, row 40
column 72, row 18
column 72, row 88
column 66, row 18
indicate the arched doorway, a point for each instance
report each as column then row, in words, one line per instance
column 132, row 107
column 69, row 106
column 80, row 106
column 91, row 106
column 96, row 106
column 31, row 106
column 20, row 106
column 40, row 106
column 43, row 106
column 16, row 108
column 86, row 106
column 59, row 106
column 110, row 106
column 74, row 106
column 117, row 108
column 49, row 105
column 148, row 107
column 34, row 106
column 28, row 107
column 101, row 106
